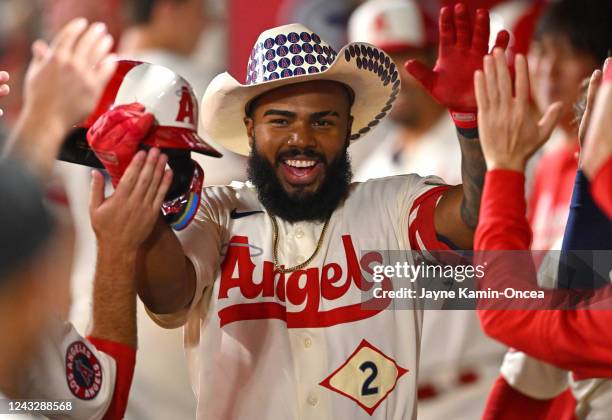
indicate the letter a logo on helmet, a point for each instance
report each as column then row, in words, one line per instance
column 163, row 93
column 186, row 106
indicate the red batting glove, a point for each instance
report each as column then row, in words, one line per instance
column 115, row 137
column 460, row 54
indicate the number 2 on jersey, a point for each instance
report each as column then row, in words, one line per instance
column 367, row 389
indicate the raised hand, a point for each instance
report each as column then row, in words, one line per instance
column 596, row 124
column 510, row 129
column 124, row 220
column 67, row 77
column 62, row 86
column 460, row 53
column 4, row 88
column 594, row 83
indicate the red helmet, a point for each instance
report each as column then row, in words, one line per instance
column 163, row 93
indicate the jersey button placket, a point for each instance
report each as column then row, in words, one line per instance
column 312, row 400
column 307, row 342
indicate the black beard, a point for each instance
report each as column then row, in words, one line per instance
column 301, row 206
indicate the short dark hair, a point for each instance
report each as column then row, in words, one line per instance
column 585, row 23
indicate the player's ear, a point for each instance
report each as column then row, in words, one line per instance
column 250, row 128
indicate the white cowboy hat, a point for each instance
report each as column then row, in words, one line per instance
column 291, row 54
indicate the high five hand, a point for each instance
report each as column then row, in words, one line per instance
column 460, row 53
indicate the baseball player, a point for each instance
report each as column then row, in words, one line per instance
column 503, row 226
column 48, row 359
column 569, row 43
column 267, row 280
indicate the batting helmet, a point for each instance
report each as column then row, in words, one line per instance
column 164, row 93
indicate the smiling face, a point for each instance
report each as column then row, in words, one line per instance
column 300, row 133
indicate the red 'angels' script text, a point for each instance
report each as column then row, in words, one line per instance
column 329, row 283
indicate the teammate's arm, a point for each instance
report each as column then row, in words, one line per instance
column 127, row 219
column 511, row 133
column 461, row 50
column 165, row 278
column 62, row 86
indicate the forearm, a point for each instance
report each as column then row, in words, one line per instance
column 456, row 214
column 503, row 224
column 114, row 297
column 166, row 280
column 473, row 169
column 36, row 140
column 503, row 227
column 536, row 332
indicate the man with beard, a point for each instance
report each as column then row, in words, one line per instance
column 268, row 279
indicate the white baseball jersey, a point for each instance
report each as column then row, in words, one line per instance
column 262, row 345
column 69, row 367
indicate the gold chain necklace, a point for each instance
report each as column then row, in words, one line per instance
column 277, row 266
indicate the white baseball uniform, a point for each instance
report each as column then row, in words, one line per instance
column 69, row 367
column 299, row 345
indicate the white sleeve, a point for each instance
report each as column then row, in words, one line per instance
column 201, row 243
column 533, row 377
column 68, row 367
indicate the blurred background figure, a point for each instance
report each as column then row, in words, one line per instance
column 571, row 40
column 458, row 363
column 153, row 36
column 56, row 13
column 328, row 18
column 34, row 273
column 420, row 137
column 19, row 27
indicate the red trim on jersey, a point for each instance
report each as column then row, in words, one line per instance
column 507, row 403
column 320, row 319
column 125, row 357
column 56, row 194
column 601, row 187
column 424, row 224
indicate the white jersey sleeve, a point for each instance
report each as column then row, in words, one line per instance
column 69, row 367
column 201, row 242
column 533, row 377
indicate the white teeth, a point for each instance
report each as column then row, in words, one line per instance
column 301, row 163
